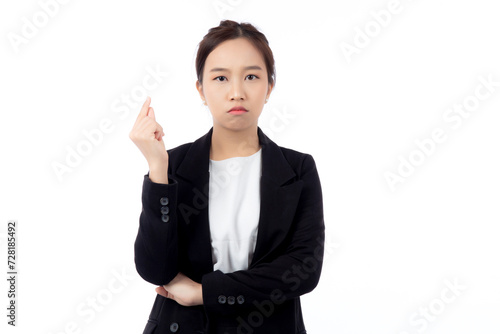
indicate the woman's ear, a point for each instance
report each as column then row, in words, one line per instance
column 269, row 90
column 199, row 87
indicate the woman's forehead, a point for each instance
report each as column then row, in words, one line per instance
column 234, row 54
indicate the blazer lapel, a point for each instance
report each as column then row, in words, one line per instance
column 278, row 197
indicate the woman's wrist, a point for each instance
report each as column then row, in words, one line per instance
column 199, row 294
column 158, row 174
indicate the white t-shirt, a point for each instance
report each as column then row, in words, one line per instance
column 234, row 210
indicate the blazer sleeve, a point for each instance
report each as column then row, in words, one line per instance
column 155, row 247
column 294, row 272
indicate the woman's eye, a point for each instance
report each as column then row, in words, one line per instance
column 223, row 78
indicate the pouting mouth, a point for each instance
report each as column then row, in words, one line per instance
column 237, row 108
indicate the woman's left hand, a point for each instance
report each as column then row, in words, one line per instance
column 183, row 290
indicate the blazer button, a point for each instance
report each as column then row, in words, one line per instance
column 222, row 299
column 165, row 218
column 165, row 210
column 231, row 300
column 240, row 299
column 164, row 201
column 174, row 327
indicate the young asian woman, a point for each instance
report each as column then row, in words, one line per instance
column 231, row 228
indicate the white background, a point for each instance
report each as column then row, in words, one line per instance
column 390, row 252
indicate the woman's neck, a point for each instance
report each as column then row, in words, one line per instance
column 229, row 144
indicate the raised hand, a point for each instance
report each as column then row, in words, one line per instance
column 147, row 136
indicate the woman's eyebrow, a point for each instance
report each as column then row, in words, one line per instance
column 221, row 69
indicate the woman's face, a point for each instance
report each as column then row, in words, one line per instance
column 235, row 75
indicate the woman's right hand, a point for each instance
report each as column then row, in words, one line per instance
column 147, row 136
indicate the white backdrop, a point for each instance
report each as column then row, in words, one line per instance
column 397, row 101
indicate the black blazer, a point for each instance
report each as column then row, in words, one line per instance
column 174, row 236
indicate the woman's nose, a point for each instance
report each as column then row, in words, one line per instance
column 237, row 92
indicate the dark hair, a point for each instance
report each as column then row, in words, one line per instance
column 228, row 30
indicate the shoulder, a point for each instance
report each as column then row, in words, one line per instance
column 300, row 162
column 296, row 159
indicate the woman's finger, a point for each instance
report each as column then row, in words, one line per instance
column 144, row 109
column 161, row 291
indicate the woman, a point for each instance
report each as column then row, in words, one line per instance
column 231, row 228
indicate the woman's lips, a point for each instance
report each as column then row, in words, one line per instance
column 237, row 111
